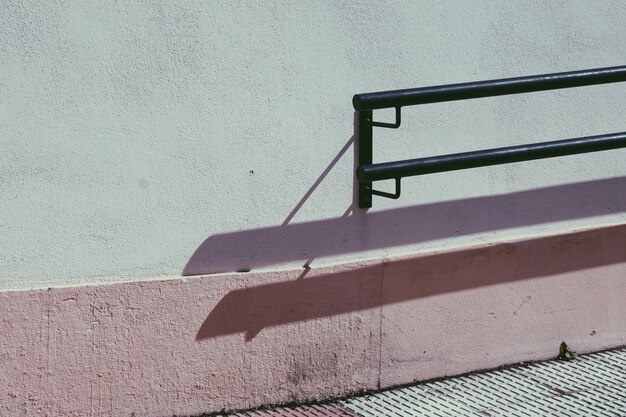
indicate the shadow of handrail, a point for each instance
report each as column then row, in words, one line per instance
column 362, row 231
column 252, row 309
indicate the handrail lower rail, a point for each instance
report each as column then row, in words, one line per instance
column 488, row 157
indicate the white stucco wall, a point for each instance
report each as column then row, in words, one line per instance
column 147, row 139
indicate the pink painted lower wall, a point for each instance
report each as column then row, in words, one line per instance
column 188, row 346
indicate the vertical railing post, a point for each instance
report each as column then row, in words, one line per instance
column 365, row 156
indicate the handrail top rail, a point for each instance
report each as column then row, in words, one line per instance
column 489, row 88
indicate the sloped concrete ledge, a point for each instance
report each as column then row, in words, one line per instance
column 235, row 341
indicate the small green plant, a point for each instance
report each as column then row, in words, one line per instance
column 565, row 353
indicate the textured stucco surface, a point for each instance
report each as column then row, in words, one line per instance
column 145, row 140
column 165, row 348
column 183, row 347
column 137, row 139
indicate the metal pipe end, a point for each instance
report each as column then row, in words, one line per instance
column 360, row 174
column 357, row 102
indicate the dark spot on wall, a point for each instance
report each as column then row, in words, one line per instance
column 297, row 374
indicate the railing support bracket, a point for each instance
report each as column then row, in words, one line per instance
column 393, row 196
column 391, row 125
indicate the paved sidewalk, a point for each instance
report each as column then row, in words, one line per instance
column 589, row 385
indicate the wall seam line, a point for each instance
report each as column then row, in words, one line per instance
column 380, row 321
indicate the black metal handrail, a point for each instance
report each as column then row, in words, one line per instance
column 367, row 172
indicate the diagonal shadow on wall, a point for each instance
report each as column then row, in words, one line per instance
column 362, row 231
column 251, row 309
column 325, row 294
